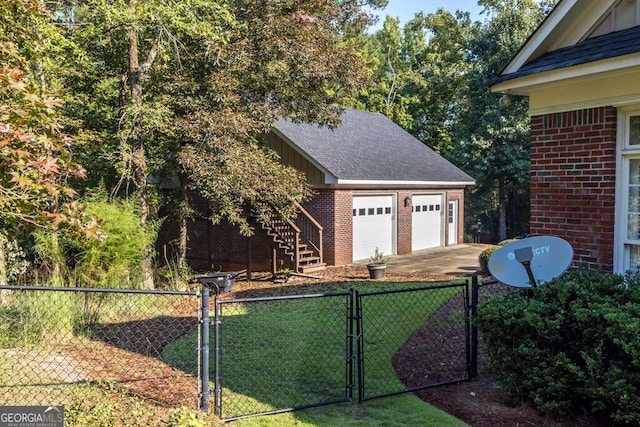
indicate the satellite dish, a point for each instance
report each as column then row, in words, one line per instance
column 531, row 261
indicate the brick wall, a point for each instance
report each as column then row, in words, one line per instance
column 221, row 247
column 321, row 208
column 573, row 161
column 404, row 224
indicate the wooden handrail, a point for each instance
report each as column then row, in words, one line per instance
column 304, row 228
column 309, row 217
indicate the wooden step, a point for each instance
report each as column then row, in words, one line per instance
column 306, row 269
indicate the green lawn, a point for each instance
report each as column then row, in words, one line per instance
column 271, row 345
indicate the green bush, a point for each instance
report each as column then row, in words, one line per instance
column 571, row 347
column 115, row 262
column 484, row 256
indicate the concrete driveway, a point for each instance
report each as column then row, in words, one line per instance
column 459, row 260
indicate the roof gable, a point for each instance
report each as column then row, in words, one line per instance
column 369, row 148
column 576, row 32
column 606, row 46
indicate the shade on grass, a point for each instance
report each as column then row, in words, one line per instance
column 284, row 353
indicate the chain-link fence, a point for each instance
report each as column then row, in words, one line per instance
column 481, row 292
column 258, row 355
column 55, row 343
column 412, row 339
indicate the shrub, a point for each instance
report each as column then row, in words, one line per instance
column 16, row 263
column 113, row 263
column 572, row 346
column 484, row 256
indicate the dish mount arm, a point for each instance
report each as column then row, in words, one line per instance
column 524, row 256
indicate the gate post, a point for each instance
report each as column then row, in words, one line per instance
column 204, row 351
column 475, row 286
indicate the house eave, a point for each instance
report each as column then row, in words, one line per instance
column 590, row 71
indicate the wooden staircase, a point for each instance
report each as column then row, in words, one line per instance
column 298, row 242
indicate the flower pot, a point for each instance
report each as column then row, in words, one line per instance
column 376, row 271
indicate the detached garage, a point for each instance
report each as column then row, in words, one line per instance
column 375, row 186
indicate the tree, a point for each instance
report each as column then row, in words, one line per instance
column 419, row 73
column 431, row 79
column 493, row 139
column 35, row 160
column 189, row 88
column 392, row 66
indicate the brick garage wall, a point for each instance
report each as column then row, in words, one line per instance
column 404, row 224
column 214, row 247
column 573, row 181
column 333, row 210
column 221, row 247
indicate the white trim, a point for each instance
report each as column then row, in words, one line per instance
column 566, row 25
column 404, row 183
column 541, row 34
column 522, row 85
column 623, row 155
column 614, row 101
column 618, row 229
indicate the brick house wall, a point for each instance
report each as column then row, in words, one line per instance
column 573, row 163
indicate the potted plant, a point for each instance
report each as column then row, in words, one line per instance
column 377, row 265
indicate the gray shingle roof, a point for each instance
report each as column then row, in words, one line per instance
column 607, row 46
column 370, row 147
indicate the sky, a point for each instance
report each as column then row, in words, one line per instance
column 406, row 9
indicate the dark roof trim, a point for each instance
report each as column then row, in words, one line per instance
column 607, row 46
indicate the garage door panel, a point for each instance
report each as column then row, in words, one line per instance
column 426, row 221
column 373, row 220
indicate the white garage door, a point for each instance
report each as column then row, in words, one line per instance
column 373, row 225
column 426, row 221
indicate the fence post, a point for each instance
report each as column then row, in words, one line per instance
column 217, row 401
column 204, row 351
column 475, row 286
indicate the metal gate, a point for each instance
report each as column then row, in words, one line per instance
column 425, row 343
column 278, row 354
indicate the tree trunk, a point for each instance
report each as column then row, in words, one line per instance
column 502, row 213
column 137, row 145
column 184, row 205
column 4, row 294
